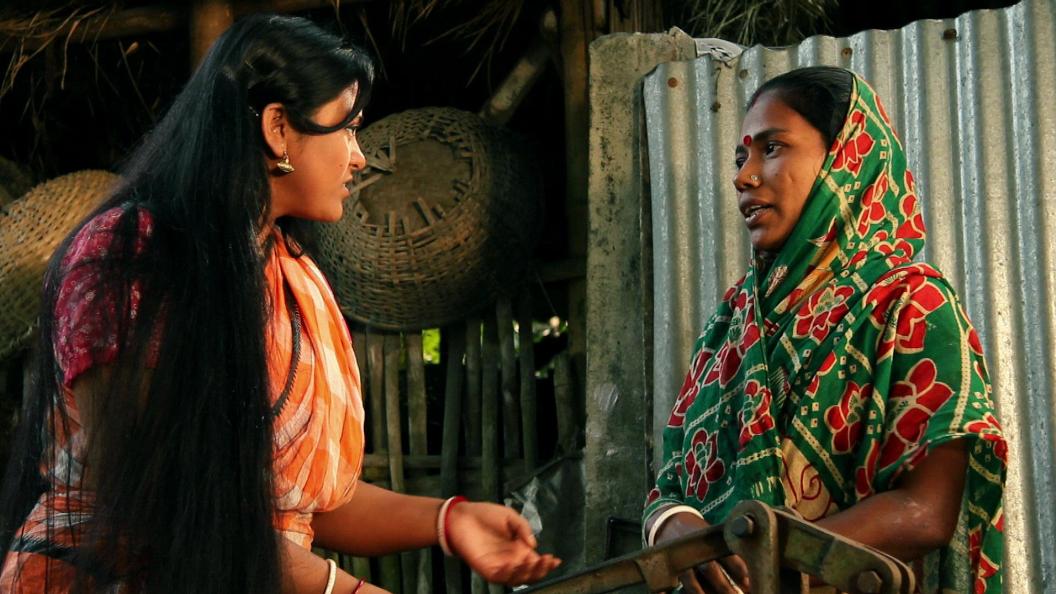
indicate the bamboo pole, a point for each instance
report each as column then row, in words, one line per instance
column 376, row 394
column 511, row 406
column 489, row 409
column 416, row 401
column 455, row 339
column 389, row 568
column 361, row 565
column 566, row 412
column 394, row 435
column 529, row 406
column 418, row 442
column 473, row 417
column 577, row 28
column 209, row 18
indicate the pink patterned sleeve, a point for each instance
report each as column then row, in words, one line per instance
column 86, row 318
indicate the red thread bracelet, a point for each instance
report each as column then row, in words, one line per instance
column 359, row 585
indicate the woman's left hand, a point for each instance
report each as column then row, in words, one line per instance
column 497, row 543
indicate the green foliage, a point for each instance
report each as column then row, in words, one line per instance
column 431, row 346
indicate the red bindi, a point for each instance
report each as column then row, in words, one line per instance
column 747, row 141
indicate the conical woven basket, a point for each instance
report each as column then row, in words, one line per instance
column 444, row 220
column 30, row 230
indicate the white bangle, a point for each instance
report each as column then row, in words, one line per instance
column 441, row 523
column 331, row 576
column 666, row 515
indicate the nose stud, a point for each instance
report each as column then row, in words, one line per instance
column 754, row 178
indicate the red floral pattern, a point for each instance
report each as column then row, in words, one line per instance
column 822, row 311
column 919, row 396
column 844, row 418
column 760, row 419
column 850, row 157
column 703, row 465
column 690, row 388
column 873, row 209
column 730, row 355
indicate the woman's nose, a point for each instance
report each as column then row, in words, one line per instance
column 357, row 160
column 746, row 178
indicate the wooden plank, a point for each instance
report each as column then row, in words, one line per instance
column 473, row 418
column 416, row 400
column 424, row 578
column 489, row 421
column 455, row 339
column 489, row 409
column 394, row 437
column 361, row 568
column 209, row 18
column 359, row 347
column 389, row 565
column 417, row 443
column 529, row 405
column 566, row 411
column 375, row 396
column 522, row 77
column 511, row 406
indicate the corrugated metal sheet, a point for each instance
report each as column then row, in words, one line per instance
column 973, row 100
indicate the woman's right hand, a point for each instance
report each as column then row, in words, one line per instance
column 725, row 576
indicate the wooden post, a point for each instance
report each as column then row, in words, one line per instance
column 209, row 18
column 416, row 411
column 394, row 434
column 455, row 338
column 577, row 30
column 490, row 457
column 526, row 355
column 389, row 566
column 361, row 565
column 416, row 416
column 473, row 386
column 566, row 410
column 511, row 406
column 376, row 393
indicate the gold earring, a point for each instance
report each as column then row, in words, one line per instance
column 284, row 165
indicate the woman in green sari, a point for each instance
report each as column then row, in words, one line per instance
column 838, row 378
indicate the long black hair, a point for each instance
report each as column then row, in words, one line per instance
column 180, row 440
column 821, row 94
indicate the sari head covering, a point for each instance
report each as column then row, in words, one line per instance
column 843, row 346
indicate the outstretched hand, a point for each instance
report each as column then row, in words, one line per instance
column 497, row 543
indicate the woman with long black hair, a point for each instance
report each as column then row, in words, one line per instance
column 194, row 422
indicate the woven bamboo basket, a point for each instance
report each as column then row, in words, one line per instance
column 442, row 222
column 30, row 230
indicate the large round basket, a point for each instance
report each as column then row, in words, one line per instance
column 30, row 230
column 442, row 222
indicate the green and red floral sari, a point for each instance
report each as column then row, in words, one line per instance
column 825, row 377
